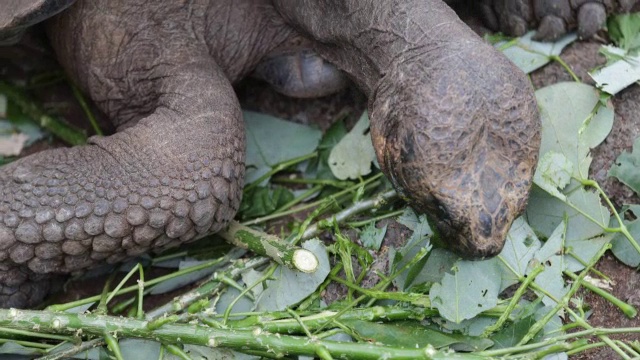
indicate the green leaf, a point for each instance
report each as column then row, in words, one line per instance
column 519, row 248
column 627, row 168
column 242, row 305
column 439, row 262
column 371, row 236
column 573, row 122
column 511, row 334
column 319, row 167
column 13, row 348
column 92, row 354
column 553, row 173
column 351, row 158
column 621, row 247
column 291, row 287
column 472, row 289
column 17, row 131
column 530, row 55
column 624, row 30
column 420, row 238
column 554, row 244
column 621, row 70
column 582, row 251
column 271, row 141
column 550, row 279
column 177, row 282
column 412, row 334
column 196, row 352
column 544, row 213
column 262, row 200
column 132, row 348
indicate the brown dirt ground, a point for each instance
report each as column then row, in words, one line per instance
column 580, row 56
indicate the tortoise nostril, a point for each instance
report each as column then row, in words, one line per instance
column 485, row 224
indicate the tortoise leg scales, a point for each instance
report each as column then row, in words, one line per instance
column 173, row 176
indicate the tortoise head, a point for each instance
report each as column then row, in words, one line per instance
column 460, row 145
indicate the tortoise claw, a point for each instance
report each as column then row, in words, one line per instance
column 553, row 18
column 551, row 28
column 591, row 17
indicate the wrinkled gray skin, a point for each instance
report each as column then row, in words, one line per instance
column 454, row 124
column 552, row 18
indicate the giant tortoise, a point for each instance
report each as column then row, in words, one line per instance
column 454, row 124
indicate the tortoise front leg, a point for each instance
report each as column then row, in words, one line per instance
column 454, row 123
column 173, row 176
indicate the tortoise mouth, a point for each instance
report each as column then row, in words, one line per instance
column 456, row 232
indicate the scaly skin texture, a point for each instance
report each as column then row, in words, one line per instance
column 454, row 124
column 552, row 18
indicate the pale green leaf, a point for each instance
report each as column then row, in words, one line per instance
column 617, row 75
column 351, row 158
column 290, row 286
column 471, row 290
column 553, row 173
column 627, row 168
column 554, row 244
column 439, row 262
column 582, row 251
column 544, row 213
column 17, row 349
column 570, row 126
column 271, row 141
column 624, row 30
column 241, row 305
column 519, row 248
column 550, row 279
column 182, row 280
column 420, row 238
column 530, row 55
column 251, row 277
column 413, row 334
column 132, row 348
column 410, row 219
column 621, row 247
column 554, row 327
column 371, row 236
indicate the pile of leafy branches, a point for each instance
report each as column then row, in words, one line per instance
column 428, row 303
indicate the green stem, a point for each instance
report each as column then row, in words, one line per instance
column 566, row 67
column 293, row 257
column 300, row 198
column 331, row 198
column 267, row 275
column 112, row 344
column 627, row 309
column 35, row 334
column 276, row 344
column 209, row 287
column 375, row 219
column 526, row 282
column 62, row 130
column 279, row 167
column 128, row 289
column 85, row 107
column 622, row 228
column 360, row 206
